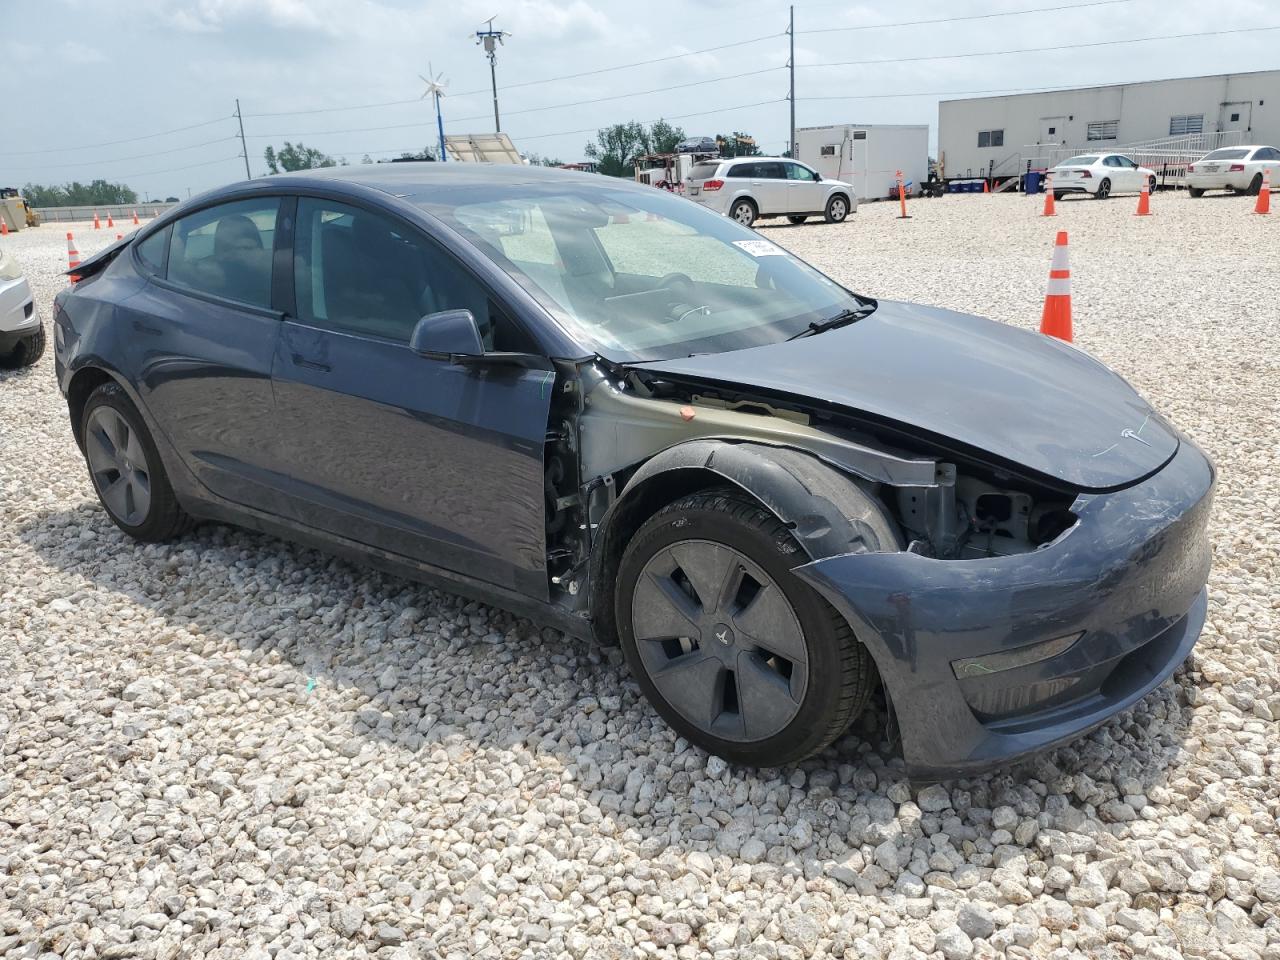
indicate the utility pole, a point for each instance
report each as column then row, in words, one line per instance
column 243, row 147
column 489, row 38
column 791, row 33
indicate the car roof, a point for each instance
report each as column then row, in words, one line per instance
column 407, row 180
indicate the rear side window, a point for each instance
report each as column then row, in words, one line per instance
column 152, row 251
column 771, row 170
column 742, row 170
column 370, row 274
column 704, row 171
column 226, row 251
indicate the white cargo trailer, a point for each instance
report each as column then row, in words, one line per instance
column 867, row 155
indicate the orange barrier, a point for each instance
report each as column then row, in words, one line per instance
column 1264, row 195
column 1048, row 197
column 1056, row 319
column 1144, row 200
column 73, row 256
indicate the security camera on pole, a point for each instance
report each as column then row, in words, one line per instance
column 435, row 90
column 489, row 38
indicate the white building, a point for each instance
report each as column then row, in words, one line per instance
column 1000, row 136
column 867, row 155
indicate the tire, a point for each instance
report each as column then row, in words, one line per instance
column 1151, row 185
column 1059, row 194
column 797, row 220
column 733, row 697
column 1104, row 189
column 27, row 352
column 837, row 210
column 1196, row 192
column 744, row 211
column 1255, row 185
column 126, row 470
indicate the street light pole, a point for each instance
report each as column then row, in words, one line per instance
column 791, row 32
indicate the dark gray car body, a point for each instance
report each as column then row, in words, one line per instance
column 443, row 471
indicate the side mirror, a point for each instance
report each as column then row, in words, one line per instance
column 447, row 334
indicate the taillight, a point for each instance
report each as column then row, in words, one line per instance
column 1191, row 168
column 1236, row 168
column 710, row 185
column 1085, row 173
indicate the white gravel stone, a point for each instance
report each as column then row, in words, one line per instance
column 228, row 746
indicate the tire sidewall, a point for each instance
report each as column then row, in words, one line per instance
column 831, row 207
column 733, row 212
column 112, row 395
column 822, row 688
column 1104, row 189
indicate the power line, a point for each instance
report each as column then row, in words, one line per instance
column 1065, row 46
column 679, row 116
column 189, row 166
column 112, row 143
column 974, row 16
column 136, row 156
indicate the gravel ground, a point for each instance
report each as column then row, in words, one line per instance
column 233, row 747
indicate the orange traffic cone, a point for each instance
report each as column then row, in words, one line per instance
column 1144, row 201
column 986, row 187
column 1048, row 197
column 1056, row 319
column 902, row 197
column 96, row 224
column 73, row 257
column 135, row 218
column 1264, row 194
column 110, row 223
column 119, row 236
column 4, row 227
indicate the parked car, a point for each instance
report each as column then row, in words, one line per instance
column 603, row 407
column 1238, row 169
column 21, row 332
column 1100, row 174
column 748, row 189
column 698, row 145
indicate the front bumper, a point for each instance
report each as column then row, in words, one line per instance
column 1129, row 577
column 19, row 317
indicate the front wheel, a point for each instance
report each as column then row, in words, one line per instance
column 26, row 351
column 1255, row 185
column 744, row 211
column 126, row 470
column 837, row 210
column 1151, row 185
column 1197, row 192
column 1104, row 189
column 1059, row 194
column 738, row 655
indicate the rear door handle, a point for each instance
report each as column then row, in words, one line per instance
column 300, row 361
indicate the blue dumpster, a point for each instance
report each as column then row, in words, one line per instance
column 1032, row 181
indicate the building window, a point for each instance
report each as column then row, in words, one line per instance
column 1103, row 130
column 828, row 151
column 1235, row 117
column 862, row 134
column 1188, row 123
column 1052, row 131
column 990, row 138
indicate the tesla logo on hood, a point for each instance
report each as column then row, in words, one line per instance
column 1131, row 435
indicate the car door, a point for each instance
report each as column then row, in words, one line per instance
column 420, row 457
column 805, row 192
column 769, row 187
column 201, row 336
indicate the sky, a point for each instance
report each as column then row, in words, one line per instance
column 95, row 79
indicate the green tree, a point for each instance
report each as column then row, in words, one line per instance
column 617, row 147
column 296, row 157
column 538, row 160
column 75, row 193
column 663, row 137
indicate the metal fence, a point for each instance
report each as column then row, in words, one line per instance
column 122, row 213
column 1167, row 156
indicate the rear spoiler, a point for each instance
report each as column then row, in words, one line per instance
column 99, row 261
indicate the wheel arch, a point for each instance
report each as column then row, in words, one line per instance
column 82, row 383
column 828, row 512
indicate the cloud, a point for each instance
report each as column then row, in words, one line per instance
column 215, row 16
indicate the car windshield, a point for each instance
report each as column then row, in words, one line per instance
column 1079, row 162
column 637, row 274
column 1230, row 154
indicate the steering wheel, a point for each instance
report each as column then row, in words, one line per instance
column 671, row 280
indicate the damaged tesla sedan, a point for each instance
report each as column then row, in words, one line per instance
column 603, row 407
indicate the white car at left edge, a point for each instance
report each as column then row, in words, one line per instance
column 21, row 332
column 1100, row 175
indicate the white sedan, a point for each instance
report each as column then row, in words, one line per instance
column 1234, row 168
column 1100, row 174
column 21, row 333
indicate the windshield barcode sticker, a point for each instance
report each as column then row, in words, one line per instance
column 760, row 248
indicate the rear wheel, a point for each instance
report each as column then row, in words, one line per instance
column 837, row 210
column 1059, row 194
column 798, row 220
column 737, row 654
column 744, row 211
column 1255, row 185
column 126, row 469
column 1104, row 189
column 1151, row 184
column 1197, row 192
column 26, row 352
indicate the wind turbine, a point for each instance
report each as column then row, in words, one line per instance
column 435, row 90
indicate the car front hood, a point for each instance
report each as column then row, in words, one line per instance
column 1013, row 398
